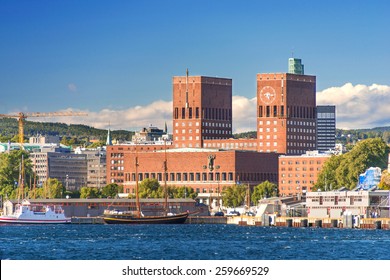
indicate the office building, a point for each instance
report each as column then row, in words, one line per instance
column 326, row 128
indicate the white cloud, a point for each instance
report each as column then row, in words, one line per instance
column 244, row 114
column 133, row 118
column 358, row 106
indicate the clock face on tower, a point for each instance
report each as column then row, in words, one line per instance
column 267, row 94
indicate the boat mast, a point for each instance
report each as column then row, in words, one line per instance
column 136, row 183
column 165, row 178
column 21, row 179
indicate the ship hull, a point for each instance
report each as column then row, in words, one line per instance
column 130, row 219
column 14, row 220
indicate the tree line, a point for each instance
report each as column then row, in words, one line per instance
column 78, row 132
column 344, row 170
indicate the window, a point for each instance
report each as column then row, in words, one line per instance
column 183, row 113
column 176, row 113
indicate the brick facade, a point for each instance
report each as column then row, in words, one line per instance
column 191, row 167
column 286, row 113
column 298, row 174
column 202, row 109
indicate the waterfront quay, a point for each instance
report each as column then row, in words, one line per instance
column 270, row 221
column 343, row 222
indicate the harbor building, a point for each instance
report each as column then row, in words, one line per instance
column 326, row 128
column 334, row 204
column 298, row 174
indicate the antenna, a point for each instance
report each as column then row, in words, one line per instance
column 187, row 88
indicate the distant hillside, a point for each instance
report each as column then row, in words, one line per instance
column 343, row 136
column 346, row 136
column 9, row 128
column 248, row 135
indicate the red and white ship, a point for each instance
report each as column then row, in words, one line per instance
column 27, row 213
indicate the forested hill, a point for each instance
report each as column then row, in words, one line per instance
column 9, row 129
column 343, row 136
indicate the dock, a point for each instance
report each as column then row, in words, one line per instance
column 317, row 222
column 271, row 220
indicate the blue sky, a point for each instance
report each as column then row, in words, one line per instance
column 114, row 58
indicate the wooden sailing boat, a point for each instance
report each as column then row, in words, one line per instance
column 136, row 217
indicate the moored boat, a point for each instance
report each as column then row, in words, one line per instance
column 136, row 217
column 27, row 213
column 132, row 217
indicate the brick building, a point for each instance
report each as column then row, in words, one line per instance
column 298, row 174
column 286, row 113
column 202, row 109
column 202, row 126
column 205, row 170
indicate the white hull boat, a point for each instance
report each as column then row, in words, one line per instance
column 27, row 213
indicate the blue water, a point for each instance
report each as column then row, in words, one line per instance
column 189, row 242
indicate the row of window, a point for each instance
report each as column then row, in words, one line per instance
column 230, row 145
column 299, row 175
column 292, row 111
column 301, row 130
column 207, row 113
column 295, row 144
column 290, row 162
column 297, row 182
column 198, row 176
column 117, row 155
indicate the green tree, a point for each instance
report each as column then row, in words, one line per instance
column 385, row 180
column 372, row 152
column 88, row 192
column 37, row 193
column 53, row 188
column 234, row 196
column 264, row 190
column 111, row 190
column 182, row 192
column 150, row 188
column 10, row 166
column 327, row 178
column 344, row 170
column 96, row 144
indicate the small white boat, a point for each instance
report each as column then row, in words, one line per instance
column 27, row 213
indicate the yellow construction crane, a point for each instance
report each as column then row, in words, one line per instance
column 22, row 116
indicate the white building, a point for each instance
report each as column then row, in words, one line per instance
column 334, row 204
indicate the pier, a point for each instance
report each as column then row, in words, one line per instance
column 271, row 220
column 344, row 222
